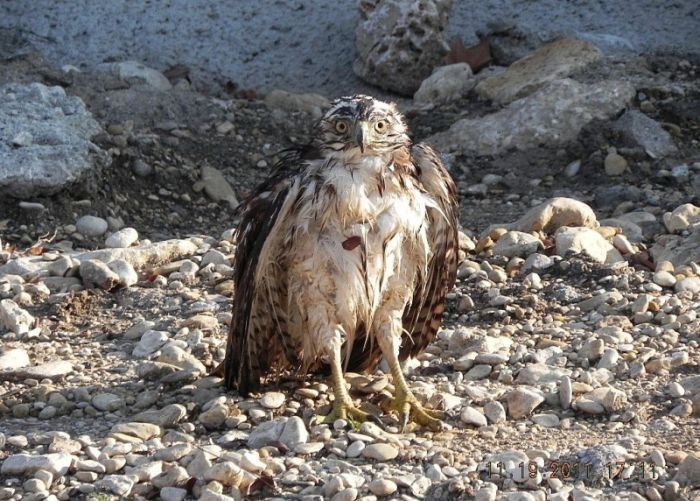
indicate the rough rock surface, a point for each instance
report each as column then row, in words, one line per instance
column 550, row 62
column 640, row 130
column 553, row 115
column 446, row 84
column 45, row 140
column 400, row 43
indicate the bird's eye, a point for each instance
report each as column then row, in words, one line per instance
column 380, row 126
column 341, row 126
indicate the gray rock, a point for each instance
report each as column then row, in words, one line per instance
column 640, row 130
column 470, row 415
column 446, row 84
column 689, row 471
column 25, row 464
column 150, row 342
column 516, row 243
column 50, row 370
column 400, row 43
column 541, row 373
column 108, row 402
column 553, row 115
column 550, row 62
column 14, row 358
column 14, row 318
column 123, row 238
column 682, row 218
column 294, row 432
column 313, row 104
column 677, row 249
column 217, row 187
column 166, row 417
column 172, row 494
column 522, row 401
column 91, row 226
column 60, row 152
column 126, row 273
column 495, row 412
column 266, row 433
column 174, row 355
column 586, row 241
column 133, row 69
column 119, row 485
column 97, row 274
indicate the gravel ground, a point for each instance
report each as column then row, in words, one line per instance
column 561, row 377
column 268, row 44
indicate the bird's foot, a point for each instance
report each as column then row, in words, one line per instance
column 409, row 409
column 344, row 409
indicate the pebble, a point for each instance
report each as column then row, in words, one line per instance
column 615, row 164
column 664, row 279
column 91, row 226
column 472, row 416
column 107, row 402
column 382, row 487
column 272, row 400
column 126, row 237
column 172, row 494
column 380, row 452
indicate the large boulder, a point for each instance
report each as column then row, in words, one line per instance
column 551, row 116
column 44, row 140
column 399, row 42
column 550, row 62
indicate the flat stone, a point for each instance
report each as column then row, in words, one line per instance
column 26, row 464
column 380, row 452
column 166, row 417
column 272, row 400
column 266, row 433
column 108, row 402
column 516, row 243
column 49, row 370
column 641, row 131
column 174, row 355
column 217, row 187
column 586, row 241
column 553, row 115
column 144, row 431
column 14, row 358
column 550, row 62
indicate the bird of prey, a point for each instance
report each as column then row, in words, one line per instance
column 344, row 256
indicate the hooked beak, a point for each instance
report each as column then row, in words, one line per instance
column 361, row 134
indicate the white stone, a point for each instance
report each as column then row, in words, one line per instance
column 380, row 452
column 13, row 358
column 26, row 464
column 122, row 239
column 470, row 415
column 272, row 400
column 150, row 342
column 522, row 401
column 586, row 241
column 14, row 318
column 516, row 243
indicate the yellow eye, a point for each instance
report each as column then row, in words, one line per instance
column 341, row 126
column 380, row 126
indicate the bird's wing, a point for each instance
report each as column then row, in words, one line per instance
column 423, row 316
column 259, row 335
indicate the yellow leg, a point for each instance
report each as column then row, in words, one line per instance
column 343, row 407
column 406, row 404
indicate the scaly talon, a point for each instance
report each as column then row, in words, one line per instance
column 409, row 409
column 344, row 409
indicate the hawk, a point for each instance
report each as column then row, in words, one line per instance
column 344, row 256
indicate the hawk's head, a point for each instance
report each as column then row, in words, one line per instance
column 361, row 122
